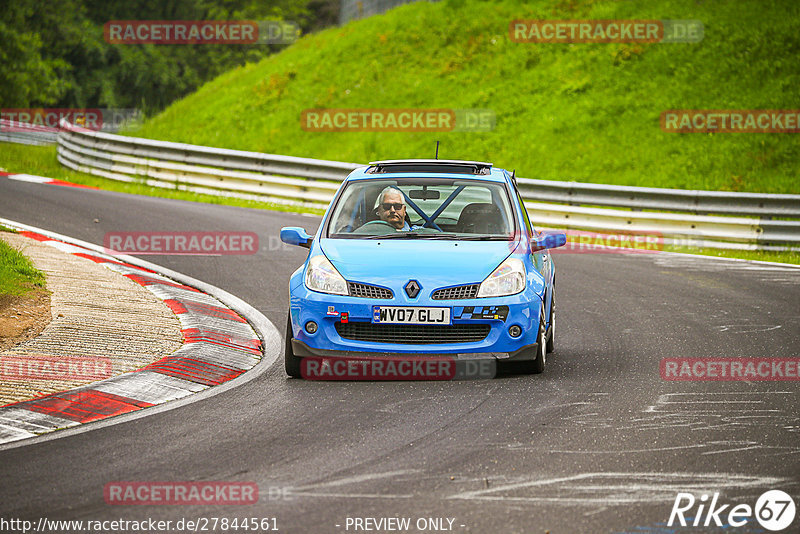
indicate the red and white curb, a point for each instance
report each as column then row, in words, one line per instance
column 43, row 180
column 219, row 346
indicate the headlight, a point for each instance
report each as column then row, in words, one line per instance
column 322, row 276
column 507, row 279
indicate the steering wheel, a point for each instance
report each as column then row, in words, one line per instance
column 372, row 226
column 378, row 223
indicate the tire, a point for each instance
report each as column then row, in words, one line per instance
column 290, row 361
column 535, row 365
column 551, row 338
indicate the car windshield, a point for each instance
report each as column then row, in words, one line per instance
column 423, row 208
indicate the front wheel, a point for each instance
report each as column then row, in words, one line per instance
column 290, row 361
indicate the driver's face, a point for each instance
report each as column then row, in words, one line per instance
column 391, row 215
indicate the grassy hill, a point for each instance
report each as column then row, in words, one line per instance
column 586, row 112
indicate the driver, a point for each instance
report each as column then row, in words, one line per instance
column 392, row 209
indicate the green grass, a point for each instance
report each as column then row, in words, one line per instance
column 41, row 161
column 585, row 112
column 17, row 274
column 792, row 257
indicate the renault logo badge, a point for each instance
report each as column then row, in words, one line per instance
column 412, row 288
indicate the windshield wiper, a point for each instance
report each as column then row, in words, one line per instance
column 384, row 236
column 444, row 235
column 485, row 238
column 412, row 235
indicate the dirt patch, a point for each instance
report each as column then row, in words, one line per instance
column 23, row 317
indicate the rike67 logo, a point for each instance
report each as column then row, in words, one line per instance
column 774, row 510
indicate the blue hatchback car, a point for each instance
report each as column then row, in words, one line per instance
column 424, row 257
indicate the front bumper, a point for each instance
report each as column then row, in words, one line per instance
column 498, row 313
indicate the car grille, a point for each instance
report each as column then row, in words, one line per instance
column 413, row 334
column 458, row 292
column 366, row 291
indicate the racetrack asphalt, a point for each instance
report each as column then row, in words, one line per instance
column 597, row 443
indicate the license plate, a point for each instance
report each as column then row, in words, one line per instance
column 410, row 315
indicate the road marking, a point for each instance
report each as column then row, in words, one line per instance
column 617, row 488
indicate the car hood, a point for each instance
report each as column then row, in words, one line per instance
column 433, row 263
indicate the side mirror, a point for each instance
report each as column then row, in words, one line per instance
column 294, row 235
column 548, row 240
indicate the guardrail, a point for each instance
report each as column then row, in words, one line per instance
column 313, row 182
column 652, row 198
column 29, row 135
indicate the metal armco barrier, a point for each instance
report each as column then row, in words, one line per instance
column 311, row 182
column 33, row 135
column 651, row 198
